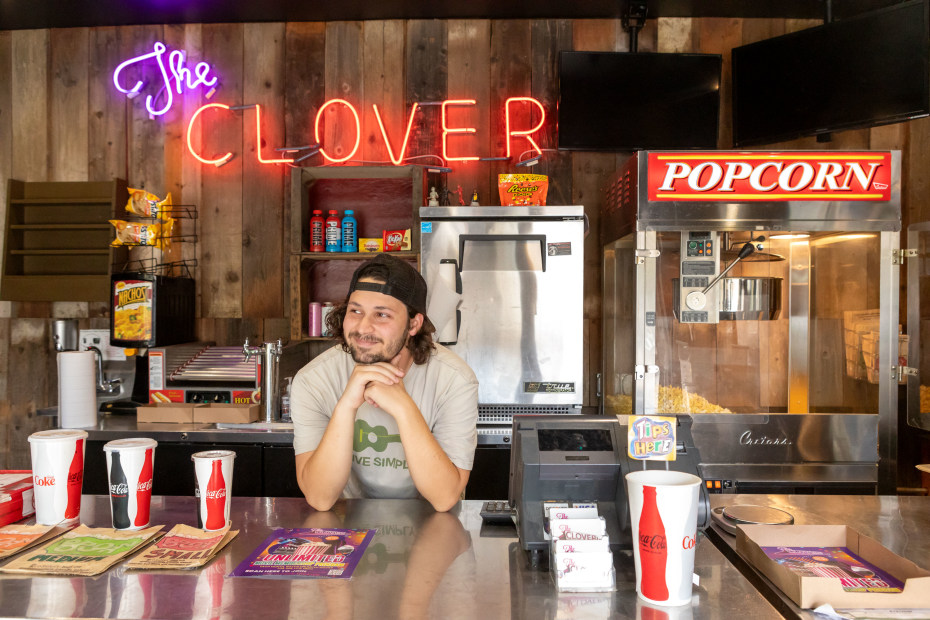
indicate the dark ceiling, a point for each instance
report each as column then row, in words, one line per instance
column 23, row 14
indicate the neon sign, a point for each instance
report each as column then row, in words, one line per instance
column 341, row 106
column 174, row 74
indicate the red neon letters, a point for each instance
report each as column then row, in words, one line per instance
column 397, row 158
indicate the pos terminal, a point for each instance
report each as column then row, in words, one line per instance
column 558, row 460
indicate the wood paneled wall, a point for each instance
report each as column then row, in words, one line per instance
column 62, row 120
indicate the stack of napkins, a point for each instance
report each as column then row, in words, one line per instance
column 580, row 557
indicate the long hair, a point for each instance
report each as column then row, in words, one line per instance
column 420, row 344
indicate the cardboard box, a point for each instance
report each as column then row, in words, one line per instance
column 810, row 592
column 16, row 496
column 176, row 413
column 227, row 412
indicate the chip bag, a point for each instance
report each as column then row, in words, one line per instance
column 523, row 189
column 144, row 204
column 138, row 233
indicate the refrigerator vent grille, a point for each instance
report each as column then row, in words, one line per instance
column 503, row 414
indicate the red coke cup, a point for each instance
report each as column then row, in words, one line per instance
column 663, row 516
column 57, row 474
column 213, row 472
column 129, row 472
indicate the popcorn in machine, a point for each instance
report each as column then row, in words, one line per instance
column 758, row 292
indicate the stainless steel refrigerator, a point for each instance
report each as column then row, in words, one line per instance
column 506, row 293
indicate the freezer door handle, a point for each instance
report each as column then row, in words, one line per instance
column 464, row 238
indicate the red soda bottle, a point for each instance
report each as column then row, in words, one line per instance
column 144, row 491
column 75, row 481
column 216, row 498
column 653, row 553
column 317, row 240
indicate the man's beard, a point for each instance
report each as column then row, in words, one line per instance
column 386, row 354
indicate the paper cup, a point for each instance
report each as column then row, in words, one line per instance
column 130, row 463
column 213, row 474
column 57, row 474
column 663, row 515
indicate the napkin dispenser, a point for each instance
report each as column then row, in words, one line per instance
column 582, row 459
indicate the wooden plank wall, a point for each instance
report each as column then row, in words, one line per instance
column 61, row 119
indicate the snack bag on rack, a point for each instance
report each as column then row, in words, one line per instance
column 144, row 204
column 523, row 189
column 138, row 233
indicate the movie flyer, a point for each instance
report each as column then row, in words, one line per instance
column 83, row 551
column 184, row 547
column 306, row 552
column 854, row 573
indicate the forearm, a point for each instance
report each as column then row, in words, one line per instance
column 323, row 474
column 436, row 477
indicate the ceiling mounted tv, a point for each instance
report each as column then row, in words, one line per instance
column 618, row 101
column 867, row 70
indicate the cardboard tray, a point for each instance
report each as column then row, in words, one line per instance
column 176, row 413
column 810, row 592
column 227, row 412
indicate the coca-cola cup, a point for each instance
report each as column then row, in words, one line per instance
column 130, row 463
column 57, row 474
column 213, row 474
column 663, row 513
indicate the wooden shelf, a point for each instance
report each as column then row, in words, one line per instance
column 350, row 255
column 383, row 198
column 57, row 240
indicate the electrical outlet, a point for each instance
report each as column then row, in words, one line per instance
column 100, row 338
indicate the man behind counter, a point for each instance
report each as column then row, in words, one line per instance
column 389, row 414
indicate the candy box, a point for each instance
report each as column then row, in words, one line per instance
column 16, row 499
column 756, row 543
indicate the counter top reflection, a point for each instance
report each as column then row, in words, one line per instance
column 419, row 564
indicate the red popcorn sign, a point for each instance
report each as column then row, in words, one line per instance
column 723, row 176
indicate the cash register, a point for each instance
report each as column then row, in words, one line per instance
column 582, row 459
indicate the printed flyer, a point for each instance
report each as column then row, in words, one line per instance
column 82, row 551
column 306, row 552
column 16, row 538
column 854, row 573
column 184, row 547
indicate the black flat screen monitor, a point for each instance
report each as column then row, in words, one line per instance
column 618, row 101
column 864, row 71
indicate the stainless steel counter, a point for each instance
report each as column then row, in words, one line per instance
column 901, row 523
column 111, row 427
column 419, row 564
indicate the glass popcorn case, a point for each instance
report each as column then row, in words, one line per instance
column 758, row 292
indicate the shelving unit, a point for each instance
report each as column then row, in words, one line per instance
column 383, row 198
column 57, row 240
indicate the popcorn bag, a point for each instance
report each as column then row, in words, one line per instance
column 523, row 190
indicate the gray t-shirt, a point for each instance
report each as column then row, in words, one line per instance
column 444, row 388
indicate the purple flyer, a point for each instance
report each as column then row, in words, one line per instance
column 854, row 573
column 307, row 552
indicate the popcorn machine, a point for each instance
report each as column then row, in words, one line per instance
column 758, row 291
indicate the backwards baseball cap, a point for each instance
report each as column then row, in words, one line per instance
column 401, row 281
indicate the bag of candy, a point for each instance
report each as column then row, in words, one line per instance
column 523, row 189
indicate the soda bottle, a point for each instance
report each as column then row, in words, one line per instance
column 75, row 481
column 349, row 232
column 653, row 553
column 144, row 491
column 317, row 241
column 119, row 493
column 216, row 498
column 333, row 233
